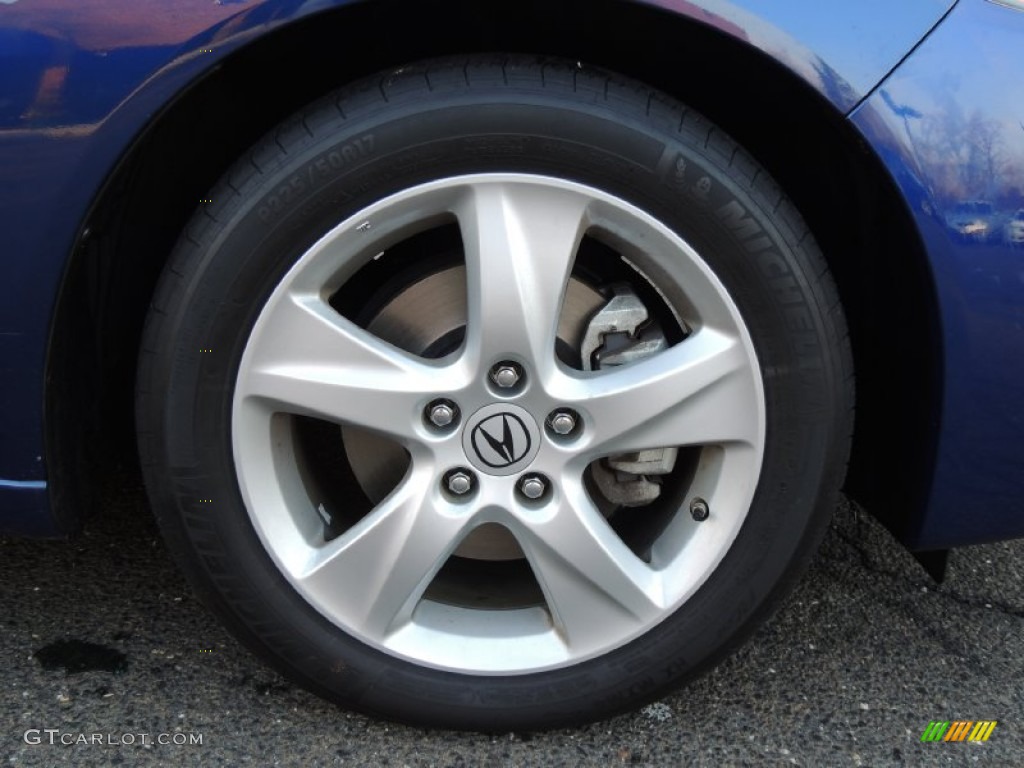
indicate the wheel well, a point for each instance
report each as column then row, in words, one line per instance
column 839, row 185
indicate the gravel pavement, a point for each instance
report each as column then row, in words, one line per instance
column 101, row 636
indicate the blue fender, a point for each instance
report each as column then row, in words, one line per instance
column 81, row 81
column 949, row 126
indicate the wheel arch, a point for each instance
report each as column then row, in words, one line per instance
column 834, row 178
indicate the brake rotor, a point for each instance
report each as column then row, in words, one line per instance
column 419, row 319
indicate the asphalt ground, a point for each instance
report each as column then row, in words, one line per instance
column 101, row 636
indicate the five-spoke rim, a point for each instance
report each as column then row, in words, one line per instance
column 520, row 235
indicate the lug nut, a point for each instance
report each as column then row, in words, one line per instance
column 562, row 422
column 442, row 413
column 506, row 375
column 699, row 510
column 459, row 481
column 533, row 486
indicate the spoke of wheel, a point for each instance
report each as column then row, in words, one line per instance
column 307, row 359
column 594, row 585
column 372, row 576
column 520, row 241
column 699, row 392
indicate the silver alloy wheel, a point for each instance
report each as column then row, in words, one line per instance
column 520, row 236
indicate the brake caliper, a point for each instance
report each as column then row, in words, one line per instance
column 622, row 332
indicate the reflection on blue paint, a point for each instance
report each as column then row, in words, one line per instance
column 841, row 49
column 36, row 485
column 950, row 126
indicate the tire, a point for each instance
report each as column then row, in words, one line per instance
column 397, row 374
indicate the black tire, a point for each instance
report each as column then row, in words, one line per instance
column 439, row 119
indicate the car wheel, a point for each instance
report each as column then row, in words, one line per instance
column 494, row 393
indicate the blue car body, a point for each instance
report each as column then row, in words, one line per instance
column 928, row 92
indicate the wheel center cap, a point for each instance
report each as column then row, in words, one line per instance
column 501, row 439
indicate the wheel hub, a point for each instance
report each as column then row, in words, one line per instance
column 501, row 439
column 430, row 309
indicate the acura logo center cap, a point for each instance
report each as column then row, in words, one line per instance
column 501, row 439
